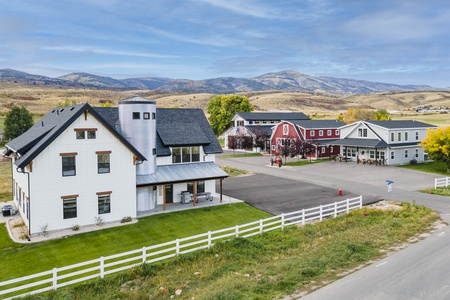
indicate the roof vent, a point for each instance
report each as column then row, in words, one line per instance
column 62, row 109
column 72, row 108
column 42, row 123
column 53, row 111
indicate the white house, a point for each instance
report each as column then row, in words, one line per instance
column 383, row 142
column 247, row 127
column 80, row 165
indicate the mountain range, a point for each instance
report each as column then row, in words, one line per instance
column 287, row 81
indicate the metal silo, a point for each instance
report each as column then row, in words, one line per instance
column 137, row 117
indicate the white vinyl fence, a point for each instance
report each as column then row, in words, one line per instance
column 441, row 182
column 98, row 268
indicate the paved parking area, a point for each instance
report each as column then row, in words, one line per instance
column 278, row 195
column 286, row 189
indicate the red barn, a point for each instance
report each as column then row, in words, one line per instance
column 308, row 138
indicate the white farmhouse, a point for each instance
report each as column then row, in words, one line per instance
column 80, row 165
column 384, row 142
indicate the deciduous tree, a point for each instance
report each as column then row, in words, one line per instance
column 437, row 145
column 17, row 121
column 221, row 109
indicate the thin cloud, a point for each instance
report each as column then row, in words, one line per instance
column 217, row 41
column 74, row 48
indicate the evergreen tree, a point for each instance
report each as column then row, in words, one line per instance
column 17, row 121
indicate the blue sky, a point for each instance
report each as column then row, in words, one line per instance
column 395, row 41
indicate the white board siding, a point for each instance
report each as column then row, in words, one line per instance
column 48, row 185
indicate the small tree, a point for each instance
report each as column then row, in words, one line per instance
column 437, row 145
column 221, row 109
column 17, row 121
column 259, row 139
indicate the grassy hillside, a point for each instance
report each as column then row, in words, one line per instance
column 40, row 100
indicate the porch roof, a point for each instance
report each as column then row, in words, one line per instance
column 182, row 173
column 369, row 143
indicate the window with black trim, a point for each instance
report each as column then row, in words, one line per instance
column 136, row 115
column 200, row 187
column 68, row 164
column 185, row 154
column 103, row 162
column 91, row 134
column 146, row 116
column 81, row 134
column 104, row 203
column 69, row 206
column 153, row 116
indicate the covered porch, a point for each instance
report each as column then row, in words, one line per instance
column 182, row 184
column 364, row 151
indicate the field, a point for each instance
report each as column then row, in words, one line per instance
column 40, row 100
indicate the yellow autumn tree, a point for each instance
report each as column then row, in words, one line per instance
column 437, row 145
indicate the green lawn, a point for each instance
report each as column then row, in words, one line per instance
column 269, row 266
column 304, row 162
column 239, row 154
column 430, row 167
column 26, row 259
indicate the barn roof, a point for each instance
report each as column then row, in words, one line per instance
column 272, row 116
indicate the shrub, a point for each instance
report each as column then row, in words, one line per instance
column 125, row 219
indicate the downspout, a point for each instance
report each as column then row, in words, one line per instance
column 29, row 201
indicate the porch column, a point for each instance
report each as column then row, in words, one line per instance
column 376, row 157
column 221, row 190
column 194, row 191
column 164, row 196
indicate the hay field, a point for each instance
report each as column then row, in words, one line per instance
column 40, row 100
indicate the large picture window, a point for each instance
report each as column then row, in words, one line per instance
column 68, row 164
column 103, row 161
column 69, row 206
column 104, row 202
column 185, row 154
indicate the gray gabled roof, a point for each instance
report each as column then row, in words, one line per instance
column 256, row 129
column 176, row 127
column 182, row 173
column 316, row 124
column 31, row 143
column 400, row 124
column 272, row 116
column 188, row 126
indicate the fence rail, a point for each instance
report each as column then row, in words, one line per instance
column 441, row 182
column 98, row 268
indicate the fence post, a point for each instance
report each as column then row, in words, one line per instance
column 237, row 230
column 102, row 267
column 320, row 213
column 360, row 201
column 335, row 209
column 260, row 226
column 177, row 247
column 348, row 205
column 435, row 183
column 55, row 279
column 209, row 239
column 446, row 181
column 282, row 221
column 303, row 216
column 144, row 254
